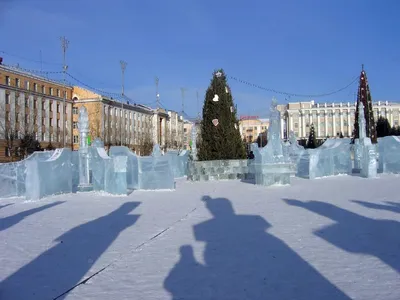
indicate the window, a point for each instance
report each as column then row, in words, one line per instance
column 58, row 93
column 26, row 102
column 51, row 91
column 51, row 106
column 26, row 84
column 26, row 119
column 51, row 121
column 35, row 87
column 34, row 104
column 8, row 81
column 75, row 110
column 75, row 125
column 76, row 139
column 58, row 108
column 396, row 122
column 7, row 98
column 58, row 123
column 17, row 82
column 43, row 89
column 43, row 121
column 7, row 116
column 16, row 118
column 296, row 125
column 7, row 152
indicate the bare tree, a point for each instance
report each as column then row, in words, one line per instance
column 95, row 121
column 146, row 143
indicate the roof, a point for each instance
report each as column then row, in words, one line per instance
column 24, row 72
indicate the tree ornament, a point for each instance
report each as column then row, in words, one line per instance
column 216, row 98
column 215, row 122
column 226, row 90
column 231, row 108
column 235, row 126
column 218, row 74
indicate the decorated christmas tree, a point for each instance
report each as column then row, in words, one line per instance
column 220, row 136
column 364, row 97
column 312, row 142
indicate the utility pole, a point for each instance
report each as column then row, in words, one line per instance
column 123, row 67
column 183, row 99
column 156, row 81
column 198, row 109
column 122, row 116
column 64, row 46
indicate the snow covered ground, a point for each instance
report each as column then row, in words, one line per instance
column 333, row 238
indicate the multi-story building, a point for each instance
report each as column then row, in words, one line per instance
column 329, row 119
column 174, row 130
column 124, row 123
column 115, row 122
column 30, row 104
column 251, row 127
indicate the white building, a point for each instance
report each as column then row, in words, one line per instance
column 329, row 119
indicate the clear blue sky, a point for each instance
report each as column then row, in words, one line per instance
column 299, row 46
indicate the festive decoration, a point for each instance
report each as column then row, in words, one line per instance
column 364, row 97
column 226, row 90
column 219, row 137
column 216, row 98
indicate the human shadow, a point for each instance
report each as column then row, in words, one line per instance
column 357, row 234
column 243, row 261
column 390, row 206
column 10, row 221
column 8, row 204
column 66, row 263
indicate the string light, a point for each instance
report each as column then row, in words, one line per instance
column 294, row 94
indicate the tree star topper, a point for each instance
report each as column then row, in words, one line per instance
column 218, row 74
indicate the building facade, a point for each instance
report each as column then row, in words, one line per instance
column 329, row 119
column 251, row 127
column 30, row 104
column 123, row 123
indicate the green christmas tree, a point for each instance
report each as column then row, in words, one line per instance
column 220, row 136
column 312, row 142
column 364, row 96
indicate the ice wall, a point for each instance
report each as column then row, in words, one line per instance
column 389, row 154
column 132, row 165
column 327, row 160
column 49, row 177
column 12, row 175
column 178, row 162
column 155, row 173
column 156, row 151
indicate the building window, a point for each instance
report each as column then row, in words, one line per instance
column 58, row 93
column 26, row 84
column 7, row 151
column 43, row 121
column 296, row 125
column 35, row 87
column 58, row 108
column 51, row 121
column 75, row 125
column 51, row 91
column 43, row 89
column 26, row 119
column 26, row 102
column 74, row 110
column 8, row 80
column 7, row 98
column 34, row 104
column 58, row 123
column 17, row 82
column 76, row 139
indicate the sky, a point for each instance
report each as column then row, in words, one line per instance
column 305, row 47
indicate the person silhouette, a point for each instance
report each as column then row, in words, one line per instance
column 243, row 261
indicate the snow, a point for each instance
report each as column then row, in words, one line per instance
column 334, row 238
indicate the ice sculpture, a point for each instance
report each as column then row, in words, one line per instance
column 12, row 175
column 364, row 149
column 98, row 143
column 194, row 143
column 132, row 175
column 148, row 172
column 389, row 154
column 156, row 151
column 49, row 177
column 271, row 165
column 293, row 150
column 155, row 173
column 331, row 158
column 84, row 171
column 109, row 174
column 178, row 162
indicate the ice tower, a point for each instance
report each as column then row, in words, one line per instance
column 84, row 170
